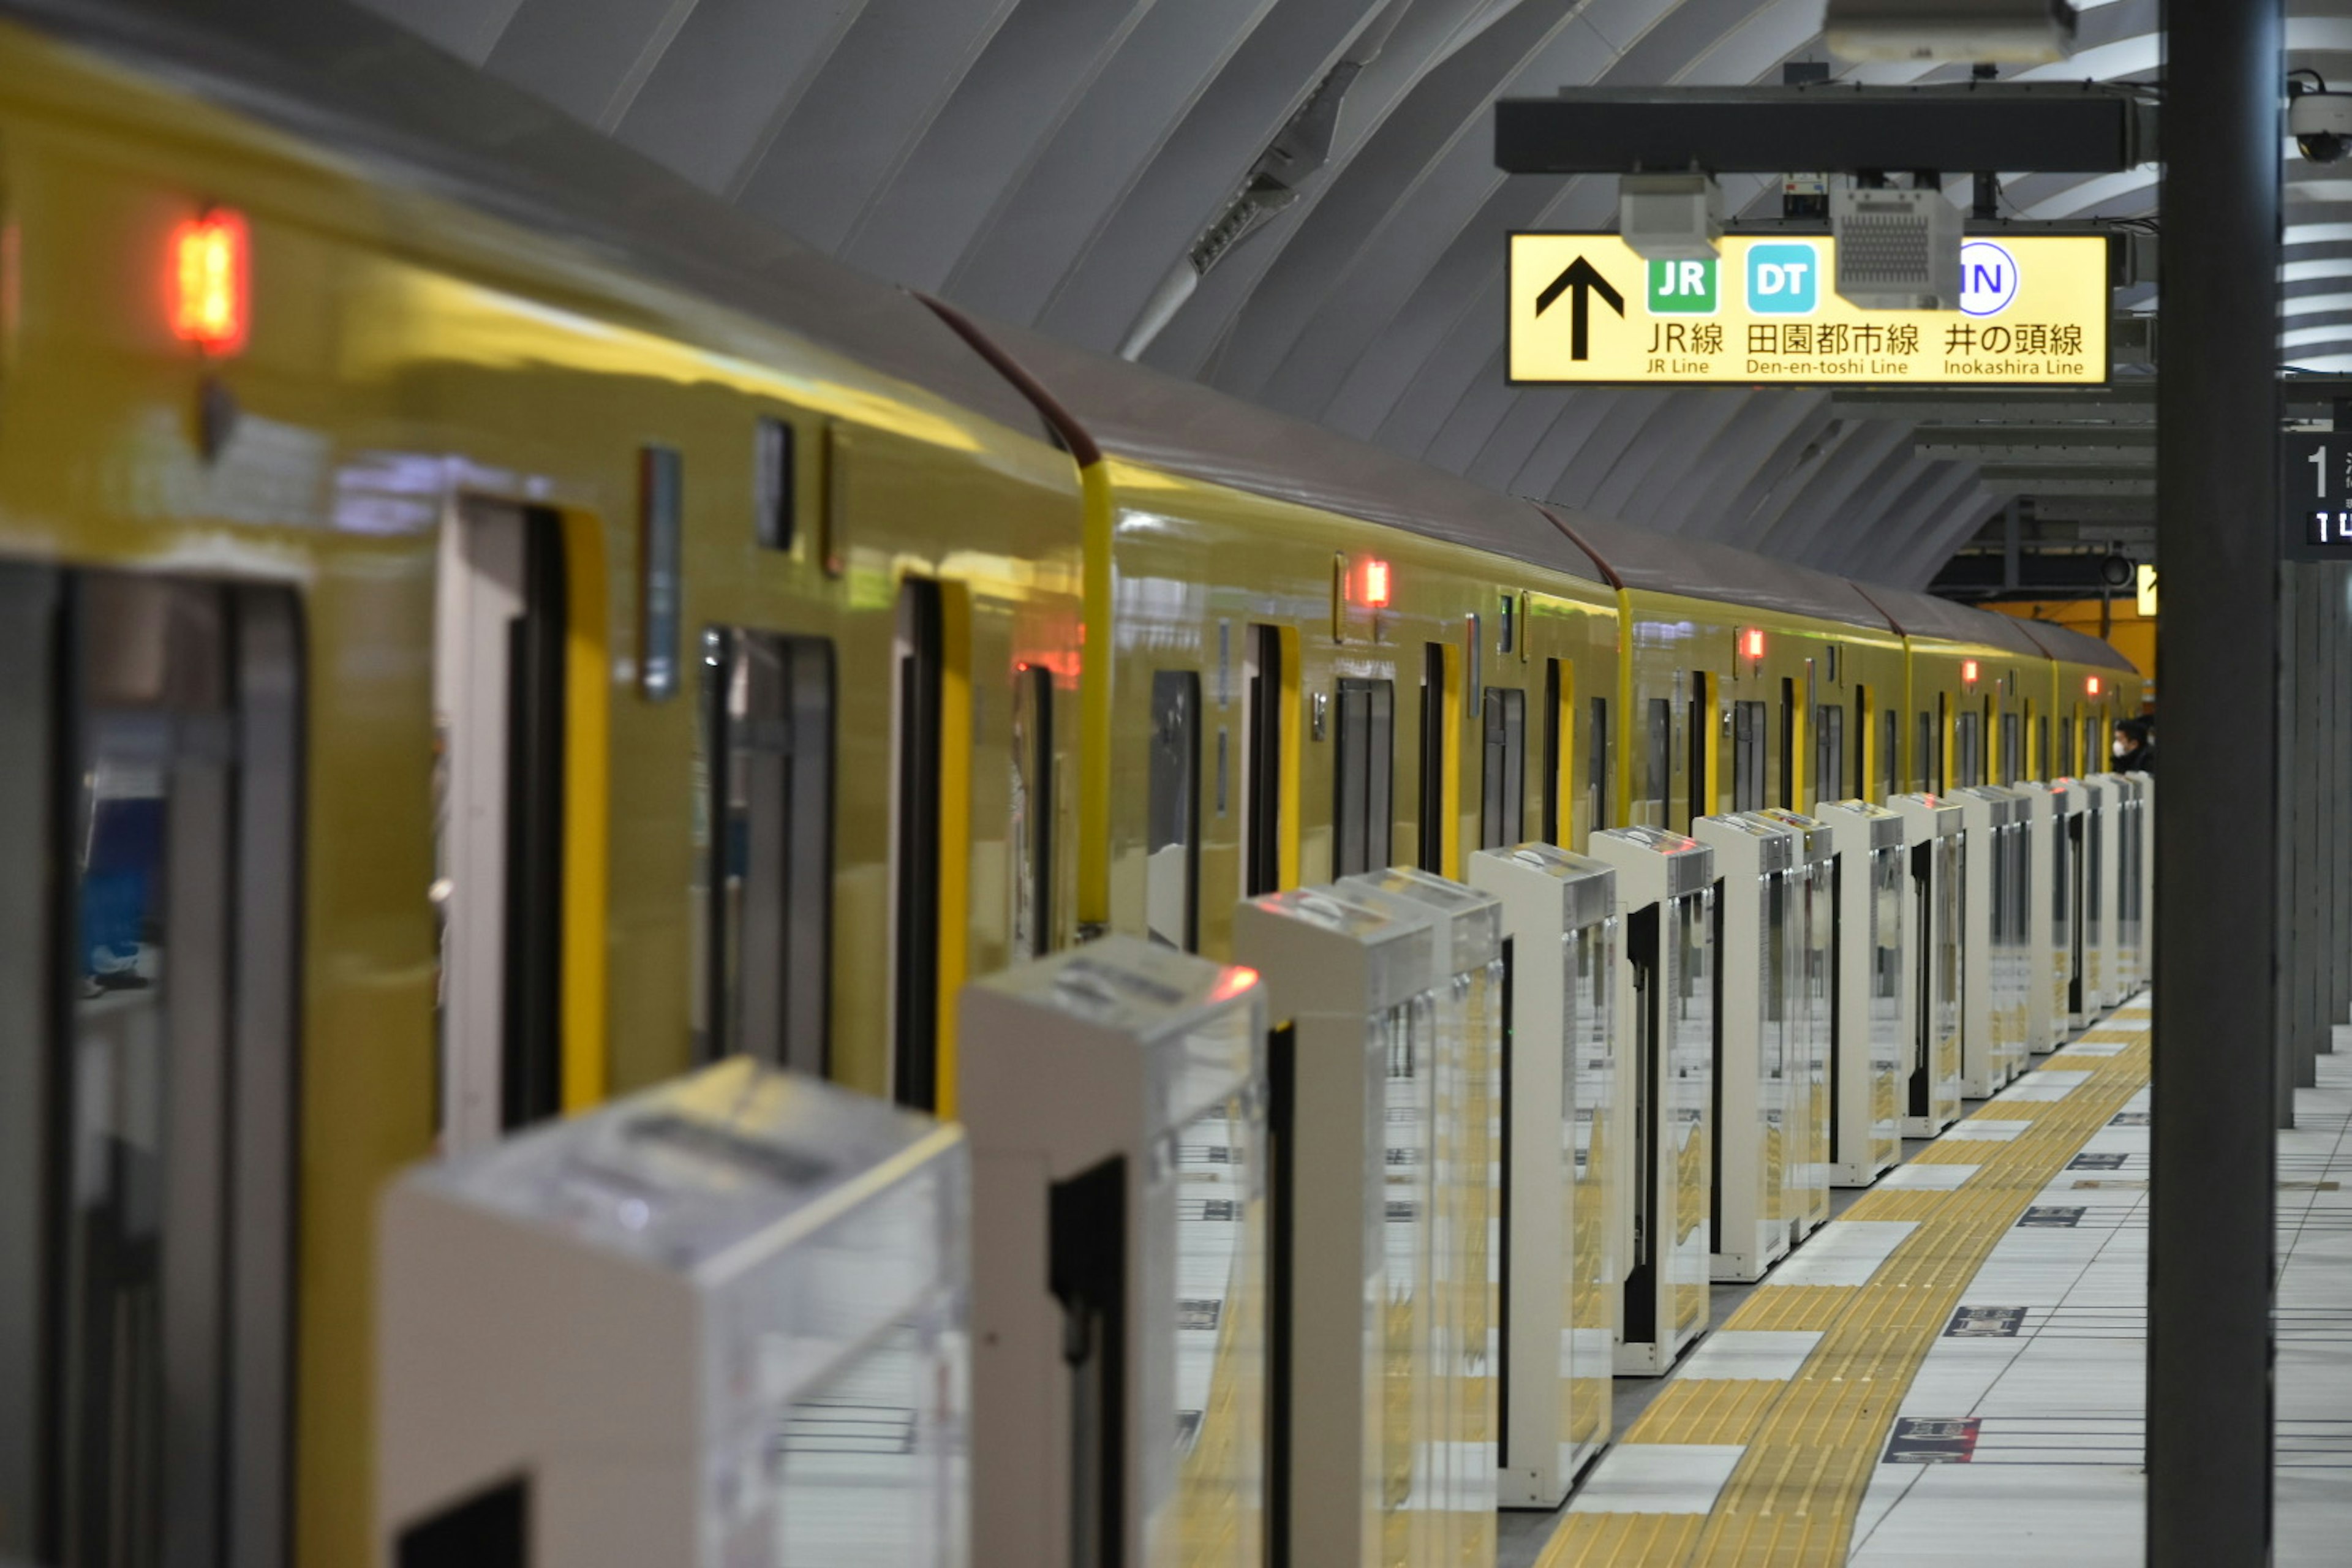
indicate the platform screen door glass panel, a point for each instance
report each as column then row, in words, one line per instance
column 1689, row 1093
column 1171, row 874
column 765, row 841
column 861, row 1462
column 1888, row 878
column 146, row 1017
column 1216, row 1307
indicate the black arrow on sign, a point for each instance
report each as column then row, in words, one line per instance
column 1586, row 281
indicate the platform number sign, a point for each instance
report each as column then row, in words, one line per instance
column 2316, row 494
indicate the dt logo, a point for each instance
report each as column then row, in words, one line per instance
column 1783, row 280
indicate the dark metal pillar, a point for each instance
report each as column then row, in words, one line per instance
column 2210, row 1290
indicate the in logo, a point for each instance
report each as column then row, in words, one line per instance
column 1988, row 278
column 1784, row 278
column 1680, row 288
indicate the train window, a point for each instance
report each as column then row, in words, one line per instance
column 1434, row 759
column 150, row 803
column 499, row 697
column 771, row 485
column 1659, row 788
column 1172, row 832
column 1891, row 753
column 1748, row 725
column 1968, row 748
column 765, row 871
column 1557, row 749
column 1701, row 726
column 1364, row 757
column 2065, row 749
column 2094, row 758
column 1502, row 810
column 2013, row 748
column 1597, row 764
column 2041, row 726
column 1940, row 777
column 1829, row 752
column 917, row 736
column 1262, row 764
column 1032, row 826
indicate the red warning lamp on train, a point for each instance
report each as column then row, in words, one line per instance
column 210, row 281
column 2092, row 686
column 1376, row 584
column 1968, row 672
column 1751, row 642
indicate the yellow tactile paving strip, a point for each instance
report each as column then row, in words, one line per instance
column 1811, row 1442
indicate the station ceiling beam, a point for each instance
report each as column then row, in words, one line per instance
column 2072, row 128
column 2122, row 407
column 2002, row 479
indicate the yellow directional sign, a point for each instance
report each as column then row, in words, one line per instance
column 1585, row 307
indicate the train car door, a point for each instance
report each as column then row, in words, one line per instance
column 149, row 822
column 1363, row 760
column 1747, row 741
column 499, row 699
column 918, row 739
column 765, row 842
column 1266, row 687
column 1173, row 842
column 1502, row 812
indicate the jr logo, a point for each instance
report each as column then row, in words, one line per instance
column 1681, row 288
column 1988, row 278
column 1783, row 280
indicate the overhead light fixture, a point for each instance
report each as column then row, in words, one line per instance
column 2000, row 32
column 1668, row 217
column 1896, row 249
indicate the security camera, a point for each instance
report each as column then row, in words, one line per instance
column 2321, row 123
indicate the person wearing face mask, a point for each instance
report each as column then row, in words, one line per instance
column 2135, row 747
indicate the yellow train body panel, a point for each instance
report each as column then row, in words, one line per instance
column 406, row 353
column 1197, row 567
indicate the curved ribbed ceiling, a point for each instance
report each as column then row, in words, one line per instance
column 1055, row 163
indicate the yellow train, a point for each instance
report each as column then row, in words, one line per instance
column 483, row 626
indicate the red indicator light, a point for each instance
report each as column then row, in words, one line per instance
column 1376, row 583
column 2094, row 686
column 1968, row 671
column 1752, row 642
column 1236, row 979
column 209, row 281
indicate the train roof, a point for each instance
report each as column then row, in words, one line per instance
column 2073, row 647
column 1182, row 427
column 1919, row 615
column 335, row 76
column 1697, row 568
